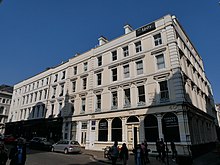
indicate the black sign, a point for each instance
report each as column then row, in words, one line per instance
column 103, row 125
column 145, row 29
column 170, row 121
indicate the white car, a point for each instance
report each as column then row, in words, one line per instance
column 66, row 146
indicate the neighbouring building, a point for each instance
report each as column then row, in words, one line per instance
column 217, row 107
column 146, row 84
column 5, row 102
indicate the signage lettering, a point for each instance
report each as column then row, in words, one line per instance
column 145, row 29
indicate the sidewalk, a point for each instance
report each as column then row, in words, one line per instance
column 99, row 156
column 210, row 158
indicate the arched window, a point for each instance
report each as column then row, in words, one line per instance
column 116, row 129
column 103, row 130
column 151, row 128
column 132, row 119
column 170, row 127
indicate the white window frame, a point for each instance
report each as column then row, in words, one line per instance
column 85, row 66
column 83, row 104
column 160, row 63
column 114, row 55
column 166, row 92
column 114, row 100
column 125, row 51
column 140, row 67
column 99, row 60
column 157, row 39
column 84, row 83
column 115, row 75
column 126, row 69
column 74, row 86
column 138, row 46
column 99, row 79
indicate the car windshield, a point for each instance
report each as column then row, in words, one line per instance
column 74, row 142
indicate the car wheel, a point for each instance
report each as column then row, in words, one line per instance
column 66, row 151
column 52, row 149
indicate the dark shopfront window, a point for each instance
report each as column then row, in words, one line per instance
column 117, row 129
column 103, row 130
column 151, row 128
column 170, row 127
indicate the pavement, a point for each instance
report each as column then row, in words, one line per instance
column 210, row 158
column 99, row 156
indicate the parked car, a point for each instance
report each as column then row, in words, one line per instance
column 40, row 143
column 66, row 146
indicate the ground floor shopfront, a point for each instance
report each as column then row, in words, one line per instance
column 50, row 128
column 172, row 123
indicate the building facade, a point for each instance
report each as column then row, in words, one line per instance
column 5, row 102
column 149, row 83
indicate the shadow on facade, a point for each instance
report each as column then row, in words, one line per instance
column 37, row 125
column 198, row 125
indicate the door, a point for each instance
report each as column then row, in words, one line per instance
column 132, row 136
column 83, row 138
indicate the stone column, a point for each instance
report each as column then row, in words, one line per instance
column 183, row 126
column 159, row 117
column 124, row 130
column 109, row 130
column 141, row 129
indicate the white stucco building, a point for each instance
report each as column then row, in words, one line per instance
column 124, row 90
column 5, row 102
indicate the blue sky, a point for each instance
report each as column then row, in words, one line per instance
column 36, row 34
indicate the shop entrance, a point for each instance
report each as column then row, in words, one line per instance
column 132, row 132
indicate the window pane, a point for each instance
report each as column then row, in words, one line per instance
column 114, row 55
column 116, row 129
column 103, row 130
column 127, row 97
column 125, row 51
column 164, row 93
column 157, row 39
column 114, row 74
column 126, row 71
column 160, row 61
column 139, row 65
column 141, row 94
column 138, row 46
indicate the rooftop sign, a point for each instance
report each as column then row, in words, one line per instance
column 145, row 29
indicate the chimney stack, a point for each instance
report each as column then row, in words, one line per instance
column 102, row 40
column 128, row 28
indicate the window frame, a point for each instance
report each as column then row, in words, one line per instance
column 141, row 95
column 138, row 46
column 98, row 102
column 157, row 39
column 159, row 63
column 114, row 74
column 127, row 99
column 164, row 92
column 84, row 83
column 114, row 55
column 99, row 60
column 114, row 99
column 126, row 70
column 75, row 70
column 125, row 51
column 83, row 104
column 140, row 70
column 85, row 64
column 99, row 78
